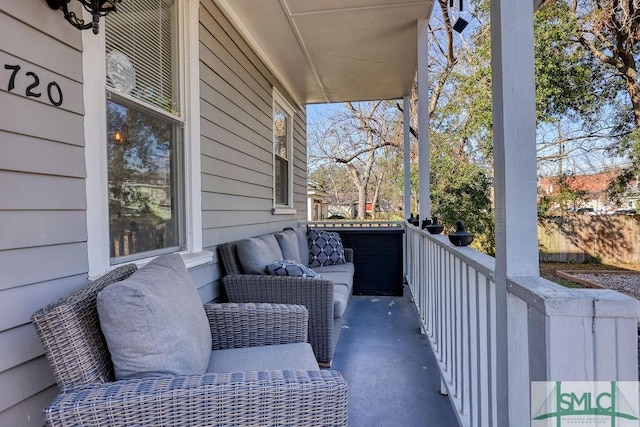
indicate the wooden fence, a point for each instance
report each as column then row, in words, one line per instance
column 581, row 238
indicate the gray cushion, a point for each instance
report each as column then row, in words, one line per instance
column 347, row 267
column 154, row 322
column 341, row 296
column 325, row 248
column 287, row 267
column 303, row 243
column 291, row 357
column 288, row 241
column 339, row 278
column 257, row 252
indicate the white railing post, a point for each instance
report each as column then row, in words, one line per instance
column 406, row 106
column 514, row 142
column 423, row 120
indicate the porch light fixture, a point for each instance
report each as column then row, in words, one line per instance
column 460, row 23
column 96, row 8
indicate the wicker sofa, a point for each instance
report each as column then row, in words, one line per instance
column 90, row 395
column 325, row 298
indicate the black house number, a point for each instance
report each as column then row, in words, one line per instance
column 54, row 93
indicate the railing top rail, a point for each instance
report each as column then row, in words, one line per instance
column 356, row 224
column 483, row 263
column 551, row 298
column 547, row 297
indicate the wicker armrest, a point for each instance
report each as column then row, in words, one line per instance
column 249, row 325
column 315, row 294
column 313, row 398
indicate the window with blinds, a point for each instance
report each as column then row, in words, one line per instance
column 141, row 41
column 145, row 167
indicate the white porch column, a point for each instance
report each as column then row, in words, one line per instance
column 423, row 120
column 406, row 107
column 514, row 136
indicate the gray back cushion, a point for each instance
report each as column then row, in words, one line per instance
column 303, row 243
column 288, row 241
column 256, row 253
column 154, row 322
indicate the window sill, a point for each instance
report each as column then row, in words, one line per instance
column 191, row 260
column 196, row 259
column 284, row 211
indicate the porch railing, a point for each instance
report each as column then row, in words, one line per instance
column 490, row 346
column 455, row 295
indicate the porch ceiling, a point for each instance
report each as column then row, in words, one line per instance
column 334, row 50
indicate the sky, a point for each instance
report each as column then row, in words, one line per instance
column 315, row 112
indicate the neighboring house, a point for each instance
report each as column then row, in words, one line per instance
column 317, row 204
column 591, row 191
column 343, row 210
column 346, row 206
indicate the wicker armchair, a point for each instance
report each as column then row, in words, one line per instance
column 76, row 349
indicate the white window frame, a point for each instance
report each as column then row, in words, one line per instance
column 95, row 134
column 286, row 108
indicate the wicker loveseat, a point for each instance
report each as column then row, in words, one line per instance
column 325, row 297
column 90, row 396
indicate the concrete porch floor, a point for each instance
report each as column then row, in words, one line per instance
column 392, row 374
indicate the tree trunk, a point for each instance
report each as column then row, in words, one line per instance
column 376, row 195
column 633, row 89
column 362, row 203
column 361, row 186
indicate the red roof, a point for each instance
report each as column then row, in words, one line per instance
column 590, row 184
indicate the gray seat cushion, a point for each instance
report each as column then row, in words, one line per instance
column 338, row 278
column 342, row 277
column 154, row 322
column 291, row 357
column 341, row 294
column 256, row 253
column 347, row 267
column 288, row 241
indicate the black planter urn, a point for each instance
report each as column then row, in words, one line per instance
column 461, row 237
column 434, row 227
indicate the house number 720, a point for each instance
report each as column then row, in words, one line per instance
column 54, row 93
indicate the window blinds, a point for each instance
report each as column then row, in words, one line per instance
column 141, row 52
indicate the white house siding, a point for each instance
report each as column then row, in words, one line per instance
column 43, row 252
column 236, row 122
